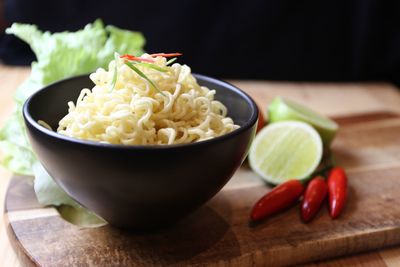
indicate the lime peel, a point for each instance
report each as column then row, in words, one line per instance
column 282, row 109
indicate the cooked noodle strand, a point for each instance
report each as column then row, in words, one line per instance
column 136, row 113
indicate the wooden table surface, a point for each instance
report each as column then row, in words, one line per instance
column 330, row 99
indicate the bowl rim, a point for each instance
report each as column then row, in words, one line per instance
column 53, row 134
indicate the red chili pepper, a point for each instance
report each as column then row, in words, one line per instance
column 278, row 199
column 313, row 197
column 133, row 58
column 261, row 121
column 166, row 55
column 337, row 187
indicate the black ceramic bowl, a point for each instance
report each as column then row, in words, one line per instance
column 138, row 186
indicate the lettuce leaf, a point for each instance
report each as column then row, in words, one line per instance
column 65, row 54
column 49, row 193
column 80, row 216
column 59, row 55
column 17, row 153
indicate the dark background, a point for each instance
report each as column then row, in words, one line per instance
column 353, row 40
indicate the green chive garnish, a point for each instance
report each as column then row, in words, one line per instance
column 153, row 66
column 114, row 79
column 141, row 74
column 172, row 60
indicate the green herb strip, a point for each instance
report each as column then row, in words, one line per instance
column 141, row 74
column 114, row 79
column 172, row 60
column 152, row 66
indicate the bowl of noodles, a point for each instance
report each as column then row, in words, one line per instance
column 143, row 143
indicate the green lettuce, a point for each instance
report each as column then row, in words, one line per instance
column 66, row 54
column 49, row 193
column 17, row 153
column 59, row 55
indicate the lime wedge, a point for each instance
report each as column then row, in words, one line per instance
column 286, row 150
column 285, row 110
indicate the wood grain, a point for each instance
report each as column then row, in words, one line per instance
column 218, row 234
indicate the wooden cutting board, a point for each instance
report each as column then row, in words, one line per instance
column 368, row 146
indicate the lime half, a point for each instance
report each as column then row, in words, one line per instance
column 282, row 109
column 286, row 150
